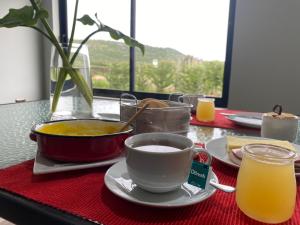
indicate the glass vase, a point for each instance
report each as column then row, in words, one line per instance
column 71, row 104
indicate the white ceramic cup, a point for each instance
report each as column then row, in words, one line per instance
column 282, row 127
column 160, row 171
column 190, row 99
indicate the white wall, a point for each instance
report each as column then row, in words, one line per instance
column 266, row 56
column 20, row 60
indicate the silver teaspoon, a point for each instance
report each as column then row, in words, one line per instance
column 222, row 187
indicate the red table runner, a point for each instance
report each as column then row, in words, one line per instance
column 83, row 193
column 220, row 120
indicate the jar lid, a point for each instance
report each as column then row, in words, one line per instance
column 269, row 153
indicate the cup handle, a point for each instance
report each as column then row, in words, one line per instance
column 180, row 99
column 175, row 96
column 197, row 152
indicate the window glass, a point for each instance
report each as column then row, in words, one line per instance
column 185, row 46
column 109, row 59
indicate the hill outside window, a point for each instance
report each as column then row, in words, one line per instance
column 188, row 47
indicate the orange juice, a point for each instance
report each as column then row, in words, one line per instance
column 205, row 110
column 266, row 188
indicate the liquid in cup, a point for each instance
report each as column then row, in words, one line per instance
column 266, row 184
column 205, row 109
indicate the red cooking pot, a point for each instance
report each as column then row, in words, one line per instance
column 80, row 140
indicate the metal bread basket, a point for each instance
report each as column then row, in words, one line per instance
column 172, row 119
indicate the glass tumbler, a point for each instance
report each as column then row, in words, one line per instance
column 71, row 103
column 205, row 109
column 266, row 183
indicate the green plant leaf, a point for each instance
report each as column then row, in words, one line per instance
column 25, row 16
column 87, row 20
column 42, row 13
column 117, row 35
column 29, row 16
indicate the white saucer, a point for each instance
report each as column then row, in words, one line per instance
column 43, row 165
column 245, row 120
column 117, row 181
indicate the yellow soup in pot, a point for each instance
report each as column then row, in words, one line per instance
column 80, row 128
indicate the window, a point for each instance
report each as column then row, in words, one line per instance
column 188, row 46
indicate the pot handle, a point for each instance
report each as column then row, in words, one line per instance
column 32, row 136
column 128, row 97
column 130, row 100
column 180, row 99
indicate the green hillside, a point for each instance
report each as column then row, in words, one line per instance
column 102, row 52
column 173, row 72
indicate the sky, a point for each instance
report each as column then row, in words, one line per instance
column 193, row 27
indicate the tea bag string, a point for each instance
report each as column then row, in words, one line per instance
column 277, row 109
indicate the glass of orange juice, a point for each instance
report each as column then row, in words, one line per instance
column 266, row 183
column 205, row 109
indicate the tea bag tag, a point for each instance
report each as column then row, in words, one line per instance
column 200, row 174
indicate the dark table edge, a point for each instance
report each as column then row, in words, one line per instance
column 20, row 210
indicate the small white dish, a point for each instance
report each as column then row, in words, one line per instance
column 217, row 148
column 118, row 182
column 43, row 165
column 246, row 120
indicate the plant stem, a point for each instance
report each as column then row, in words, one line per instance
column 82, row 85
column 51, row 34
column 58, row 88
column 73, row 29
column 81, row 44
column 62, row 73
column 77, row 78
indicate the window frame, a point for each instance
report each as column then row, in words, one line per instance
column 219, row 101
